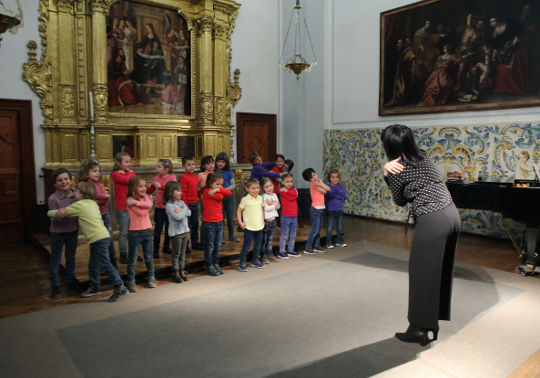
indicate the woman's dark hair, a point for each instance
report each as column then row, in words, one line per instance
column 206, row 160
column 170, row 187
column 223, row 156
column 398, row 140
column 212, row 178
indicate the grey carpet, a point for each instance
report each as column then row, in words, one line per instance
column 335, row 319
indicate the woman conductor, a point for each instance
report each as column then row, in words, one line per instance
column 414, row 179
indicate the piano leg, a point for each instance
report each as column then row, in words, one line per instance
column 530, row 238
column 529, row 255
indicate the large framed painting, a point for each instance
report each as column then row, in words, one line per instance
column 456, row 55
column 149, row 60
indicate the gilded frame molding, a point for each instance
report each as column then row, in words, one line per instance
column 73, row 63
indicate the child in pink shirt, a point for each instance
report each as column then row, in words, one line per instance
column 317, row 190
column 164, row 169
column 139, row 205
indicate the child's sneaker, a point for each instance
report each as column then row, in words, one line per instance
column 341, row 244
column 151, row 283
column 283, row 255
column 92, row 290
column 211, row 270
column 308, row 251
column 243, row 268
column 330, row 246
column 118, row 292
column 265, row 260
column 293, row 254
column 272, row 258
column 257, row 264
column 218, row 269
column 132, row 287
column 56, row 293
column 318, row 250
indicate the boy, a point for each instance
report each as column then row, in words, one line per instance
column 64, row 232
column 317, row 190
column 259, row 168
column 251, row 219
column 98, row 237
column 190, row 196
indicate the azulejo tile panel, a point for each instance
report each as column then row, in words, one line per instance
column 488, row 152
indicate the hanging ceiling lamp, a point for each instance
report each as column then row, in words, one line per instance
column 297, row 63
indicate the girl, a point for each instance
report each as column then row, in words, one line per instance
column 178, row 229
column 90, row 171
column 120, row 176
column 289, row 216
column 98, row 237
column 224, row 167
column 139, row 205
column 278, row 168
column 251, row 220
column 207, row 167
column 271, row 205
column 212, row 226
column 413, row 178
column 335, row 198
column 164, row 169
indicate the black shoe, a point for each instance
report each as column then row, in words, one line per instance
column 123, row 258
column 219, row 269
column 417, row 335
column 211, row 270
column 235, row 239
column 119, row 290
column 56, row 293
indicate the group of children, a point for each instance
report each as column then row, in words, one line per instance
column 176, row 209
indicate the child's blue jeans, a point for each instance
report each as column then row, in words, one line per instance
column 58, row 240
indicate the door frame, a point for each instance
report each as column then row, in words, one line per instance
column 23, row 108
column 269, row 118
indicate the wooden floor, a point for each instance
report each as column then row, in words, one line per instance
column 25, row 286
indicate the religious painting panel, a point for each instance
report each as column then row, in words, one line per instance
column 149, row 60
column 186, row 146
column 124, row 143
column 456, row 55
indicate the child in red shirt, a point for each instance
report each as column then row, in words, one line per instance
column 289, row 217
column 120, row 177
column 212, row 227
column 190, row 196
column 164, row 169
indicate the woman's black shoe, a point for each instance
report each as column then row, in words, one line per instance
column 417, row 335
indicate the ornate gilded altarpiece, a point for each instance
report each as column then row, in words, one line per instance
column 157, row 73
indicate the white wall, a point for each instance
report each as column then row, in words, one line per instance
column 13, row 54
column 354, row 87
column 302, row 106
column 255, row 48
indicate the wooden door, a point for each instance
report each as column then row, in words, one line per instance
column 17, row 182
column 256, row 132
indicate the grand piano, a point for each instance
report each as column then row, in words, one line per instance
column 519, row 204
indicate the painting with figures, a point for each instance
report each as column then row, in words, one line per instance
column 450, row 55
column 148, row 55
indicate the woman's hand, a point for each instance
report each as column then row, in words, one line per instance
column 394, row 167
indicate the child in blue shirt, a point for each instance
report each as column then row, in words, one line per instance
column 334, row 199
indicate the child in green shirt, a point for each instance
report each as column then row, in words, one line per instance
column 91, row 224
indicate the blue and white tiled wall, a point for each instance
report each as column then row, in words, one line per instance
column 477, row 151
